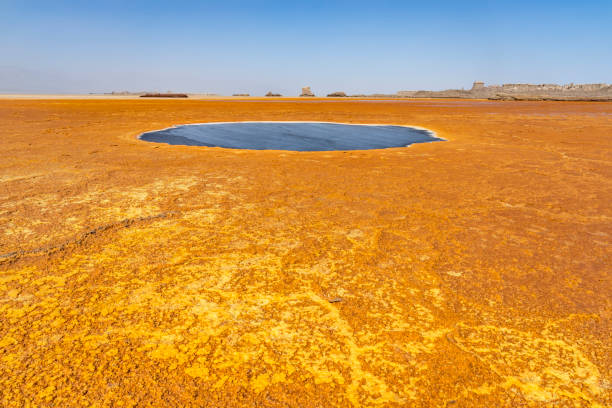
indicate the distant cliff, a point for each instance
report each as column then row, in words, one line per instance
column 520, row 92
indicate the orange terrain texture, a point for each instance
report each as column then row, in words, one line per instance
column 468, row 273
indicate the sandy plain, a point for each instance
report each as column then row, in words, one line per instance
column 472, row 272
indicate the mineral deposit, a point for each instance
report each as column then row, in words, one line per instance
column 469, row 273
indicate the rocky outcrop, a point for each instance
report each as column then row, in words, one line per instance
column 273, row 94
column 337, row 95
column 306, row 91
column 518, row 97
column 479, row 90
column 164, row 95
column 405, row 94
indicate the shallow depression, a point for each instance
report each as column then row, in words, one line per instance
column 296, row 136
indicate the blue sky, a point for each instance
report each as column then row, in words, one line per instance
column 353, row 46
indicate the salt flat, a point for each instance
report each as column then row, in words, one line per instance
column 473, row 272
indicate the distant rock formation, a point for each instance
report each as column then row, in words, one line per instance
column 406, row 93
column 518, row 97
column 239, row 94
column 478, row 85
column 306, row 91
column 337, row 95
column 273, row 94
column 570, row 92
column 164, row 95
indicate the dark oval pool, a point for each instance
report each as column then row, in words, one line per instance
column 296, row 136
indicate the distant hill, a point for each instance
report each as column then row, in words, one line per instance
column 590, row 92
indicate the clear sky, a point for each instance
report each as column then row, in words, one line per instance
column 258, row 46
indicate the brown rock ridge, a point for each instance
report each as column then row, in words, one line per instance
column 569, row 92
column 164, row 95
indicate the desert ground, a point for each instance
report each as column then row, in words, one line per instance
column 468, row 273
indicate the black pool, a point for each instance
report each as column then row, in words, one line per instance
column 297, row 136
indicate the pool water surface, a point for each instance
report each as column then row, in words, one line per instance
column 295, row 136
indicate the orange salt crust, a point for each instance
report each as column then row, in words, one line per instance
column 468, row 273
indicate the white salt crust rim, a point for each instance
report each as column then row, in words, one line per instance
column 429, row 131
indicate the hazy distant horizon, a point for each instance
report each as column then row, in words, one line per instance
column 354, row 47
column 48, row 88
